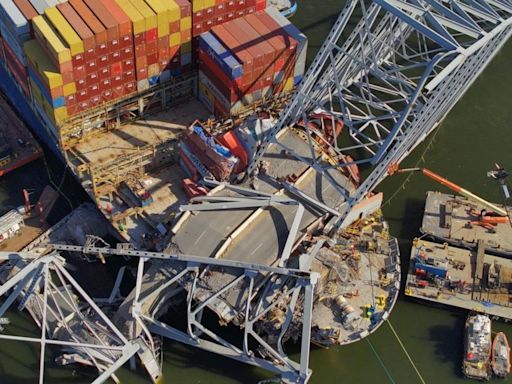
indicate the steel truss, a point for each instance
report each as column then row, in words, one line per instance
column 260, row 289
column 67, row 316
column 393, row 77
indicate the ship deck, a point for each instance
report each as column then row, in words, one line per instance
column 145, row 149
column 13, row 129
column 471, row 294
column 447, row 216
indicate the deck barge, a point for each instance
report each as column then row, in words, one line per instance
column 473, row 280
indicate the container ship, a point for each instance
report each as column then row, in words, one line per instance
column 17, row 145
column 112, row 86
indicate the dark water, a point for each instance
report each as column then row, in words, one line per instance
column 475, row 135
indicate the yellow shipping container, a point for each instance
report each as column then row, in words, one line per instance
column 174, row 39
column 40, row 60
column 288, row 86
column 186, row 23
column 197, row 5
column 162, row 16
column 69, row 89
column 146, row 12
column 66, row 31
column 209, row 3
column 53, row 42
column 138, row 21
column 174, row 10
column 36, row 93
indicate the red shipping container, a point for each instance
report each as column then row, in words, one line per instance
column 186, row 36
column 174, row 27
column 152, row 47
column 240, row 4
column 95, row 100
column 104, row 73
column 116, row 69
column 92, row 78
column 239, row 14
column 115, row 57
column 207, row 25
column 128, row 76
column 197, row 29
column 185, row 8
column 141, row 62
column 81, row 84
column 103, row 61
column 278, row 31
column 218, row 19
column 151, row 35
column 208, row 13
column 82, row 96
column 198, row 17
column 233, row 45
column 261, row 5
column 79, row 73
column 128, row 65
column 117, row 80
column 163, row 53
column 140, row 50
column 127, row 53
column 229, row 16
column 81, row 28
column 138, row 39
column 220, row 9
column 152, row 59
column 91, row 66
column 71, row 100
column 163, row 42
column 105, row 85
column 90, row 54
column 73, row 109
column 100, row 33
column 231, row 5
column 83, row 105
column 118, row 91
column 173, row 51
column 258, row 41
column 27, row 10
column 126, row 41
column 142, row 73
column 93, row 89
column 107, row 95
column 106, row 18
column 124, row 22
column 102, row 49
column 219, row 79
column 67, row 77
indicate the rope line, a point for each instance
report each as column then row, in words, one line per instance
column 406, row 353
column 408, row 178
column 388, row 374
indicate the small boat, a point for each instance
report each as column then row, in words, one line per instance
column 477, row 347
column 500, row 356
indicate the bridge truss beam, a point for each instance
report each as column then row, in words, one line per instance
column 393, row 77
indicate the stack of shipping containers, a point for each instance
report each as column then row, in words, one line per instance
column 248, row 59
column 69, row 56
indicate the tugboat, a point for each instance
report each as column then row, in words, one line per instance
column 477, row 347
column 500, row 356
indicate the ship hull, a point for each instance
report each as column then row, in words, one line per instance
column 23, row 107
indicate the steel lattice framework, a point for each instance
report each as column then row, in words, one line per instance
column 393, row 77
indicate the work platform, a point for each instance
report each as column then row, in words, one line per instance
column 448, row 218
column 472, row 278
